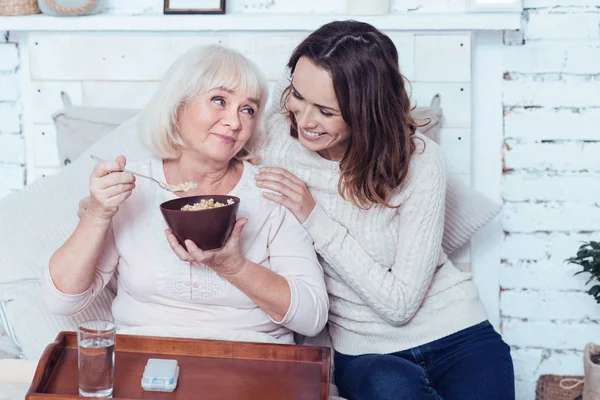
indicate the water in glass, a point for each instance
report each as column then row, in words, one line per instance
column 96, row 360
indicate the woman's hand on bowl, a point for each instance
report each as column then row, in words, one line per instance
column 109, row 188
column 225, row 261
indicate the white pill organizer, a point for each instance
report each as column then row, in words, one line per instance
column 160, row 375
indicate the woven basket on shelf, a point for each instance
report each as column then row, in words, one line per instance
column 18, row 7
column 70, row 7
column 548, row 388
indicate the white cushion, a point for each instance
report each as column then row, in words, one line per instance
column 32, row 326
column 8, row 347
column 35, row 222
column 38, row 219
column 467, row 211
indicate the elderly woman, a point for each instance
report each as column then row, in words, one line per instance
column 203, row 125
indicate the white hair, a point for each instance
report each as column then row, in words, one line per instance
column 195, row 72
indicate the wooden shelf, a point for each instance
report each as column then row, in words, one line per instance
column 258, row 22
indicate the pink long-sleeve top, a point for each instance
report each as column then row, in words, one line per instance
column 156, row 288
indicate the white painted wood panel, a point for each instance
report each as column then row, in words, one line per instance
column 455, row 100
column 12, row 148
column 456, row 146
column 115, row 94
column 27, row 113
column 310, row 7
column 44, row 172
column 13, row 178
column 443, row 58
column 405, row 44
column 427, row 5
column 134, row 6
column 45, row 98
column 430, row 58
column 487, row 165
column 133, row 57
column 45, row 151
column 270, row 52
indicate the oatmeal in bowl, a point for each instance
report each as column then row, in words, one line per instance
column 205, row 204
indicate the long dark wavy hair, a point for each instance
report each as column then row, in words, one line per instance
column 363, row 63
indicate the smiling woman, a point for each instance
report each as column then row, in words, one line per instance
column 203, row 125
column 346, row 158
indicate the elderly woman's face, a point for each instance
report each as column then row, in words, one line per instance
column 218, row 124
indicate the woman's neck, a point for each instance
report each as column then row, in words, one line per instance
column 333, row 154
column 212, row 177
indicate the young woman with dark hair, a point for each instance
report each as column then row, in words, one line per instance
column 348, row 162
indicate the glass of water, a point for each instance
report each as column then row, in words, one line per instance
column 96, row 358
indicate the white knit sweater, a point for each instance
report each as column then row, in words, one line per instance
column 391, row 286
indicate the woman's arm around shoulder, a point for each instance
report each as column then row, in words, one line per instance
column 395, row 293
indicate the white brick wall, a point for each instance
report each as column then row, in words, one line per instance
column 551, row 187
column 12, row 144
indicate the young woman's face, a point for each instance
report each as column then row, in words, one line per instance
column 312, row 100
column 217, row 124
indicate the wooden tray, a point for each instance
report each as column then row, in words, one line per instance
column 208, row 369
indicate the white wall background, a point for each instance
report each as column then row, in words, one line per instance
column 551, row 97
column 551, row 185
column 12, row 143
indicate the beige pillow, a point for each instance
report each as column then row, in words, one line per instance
column 429, row 119
column 35, row 222
column 77, row 128
column 467, row 211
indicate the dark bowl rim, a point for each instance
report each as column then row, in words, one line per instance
column 235, row 199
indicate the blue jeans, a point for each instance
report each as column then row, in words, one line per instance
column 472, row 364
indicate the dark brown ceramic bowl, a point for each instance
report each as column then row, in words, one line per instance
column 209, row 228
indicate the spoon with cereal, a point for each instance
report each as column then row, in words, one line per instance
column 182, row 187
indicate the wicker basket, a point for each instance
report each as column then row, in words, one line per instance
column 548, row 388
column 591, row 366
column 70, row 7
column 18, row 7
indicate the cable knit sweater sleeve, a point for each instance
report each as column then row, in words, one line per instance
column 393, row 293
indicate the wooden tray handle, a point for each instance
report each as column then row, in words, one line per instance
column 50, row 357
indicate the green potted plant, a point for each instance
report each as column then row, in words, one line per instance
column 588, row 257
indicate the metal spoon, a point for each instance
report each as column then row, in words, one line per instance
column 171, row 188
